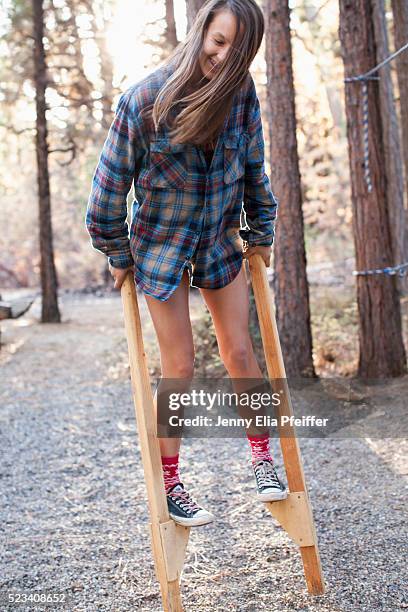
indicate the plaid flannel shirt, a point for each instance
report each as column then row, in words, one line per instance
column 183, row 213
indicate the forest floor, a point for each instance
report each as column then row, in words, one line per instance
column 74, row 516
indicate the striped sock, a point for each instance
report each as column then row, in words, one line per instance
column 260, row 447
column 171, row 474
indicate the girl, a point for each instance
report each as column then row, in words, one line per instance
column 189, row 136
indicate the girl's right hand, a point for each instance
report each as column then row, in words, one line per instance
column 119, row 274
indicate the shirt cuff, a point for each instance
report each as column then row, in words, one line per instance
column 256, row 240
column 121, row 261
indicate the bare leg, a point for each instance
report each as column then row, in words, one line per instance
column 171, row 320
column 229, row 308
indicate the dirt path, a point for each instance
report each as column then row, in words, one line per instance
column 74, row 512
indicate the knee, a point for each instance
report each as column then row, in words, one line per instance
column 237, row 357
column 185, row 370
column 181, row 366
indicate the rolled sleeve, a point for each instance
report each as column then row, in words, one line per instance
column 260, row 204
column 106, row 214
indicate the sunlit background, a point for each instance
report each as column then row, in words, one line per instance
column 130, row 22
column 133, row 36
column 133, row 21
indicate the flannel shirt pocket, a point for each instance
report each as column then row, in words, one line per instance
column 234, row 157
column 167, row 165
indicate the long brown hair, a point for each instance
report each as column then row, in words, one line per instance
column 205, row 108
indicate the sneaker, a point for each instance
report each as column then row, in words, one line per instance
column 184, row 510
column 268, row 484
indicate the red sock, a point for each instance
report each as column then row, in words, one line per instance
column 170, row 471
column 259, row 447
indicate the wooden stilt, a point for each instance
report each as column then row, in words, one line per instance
column 169, row 540
column 293, row 513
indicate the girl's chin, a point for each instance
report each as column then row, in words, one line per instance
column 207, row 74
column 206, row 69
column 210, row 70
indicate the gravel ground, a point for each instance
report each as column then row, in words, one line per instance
column 73, row 501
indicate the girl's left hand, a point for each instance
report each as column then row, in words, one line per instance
column 263, row 251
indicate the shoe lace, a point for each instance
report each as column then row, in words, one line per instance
column 265, row 474
column 185, row 501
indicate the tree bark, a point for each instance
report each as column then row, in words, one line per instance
column 192, row 6
column 170, row 33
column 400, row 20
column 381, row 349
column 100, row 24
column 290, row 281
column 392, row 144
column 49, row 283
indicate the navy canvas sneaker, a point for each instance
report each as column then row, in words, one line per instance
column 184, row 510
column 269, row 487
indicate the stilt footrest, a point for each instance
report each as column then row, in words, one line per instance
column 173, row 540
column 293, row 515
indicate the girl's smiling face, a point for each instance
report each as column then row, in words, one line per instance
column 217, row 42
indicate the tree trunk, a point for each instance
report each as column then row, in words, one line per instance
column 400, row 14
column 100, row 24
column 193, row 6
column 392, row 144
column 290, row 282
column 170, row 32
column 382, row 352
column 107, row 81
column 49, row 282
